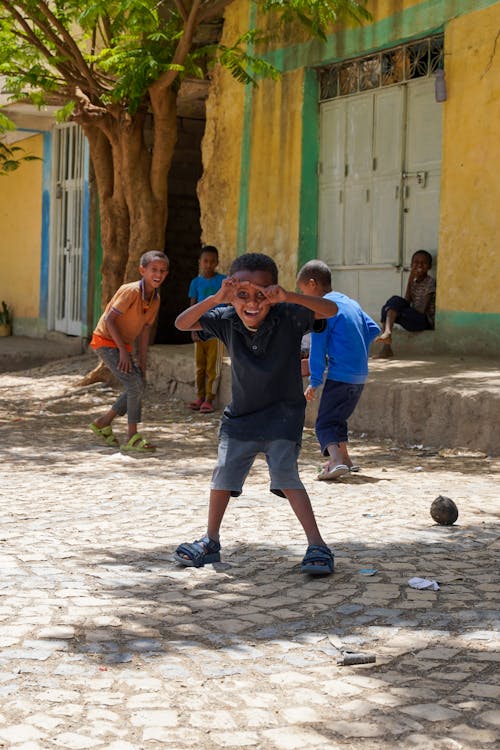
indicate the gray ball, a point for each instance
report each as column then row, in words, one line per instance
column 444, row 511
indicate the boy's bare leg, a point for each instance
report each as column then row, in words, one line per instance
column 301, row 506
column 344, row 453
column 385, row 353
column 338, row 455
column 132, row 429
column 386, row 335
column 219, row 500
column 106, row 419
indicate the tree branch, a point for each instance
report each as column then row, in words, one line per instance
column 185, row 42
column 182, row 9
column 69, row 75
column 65, row 44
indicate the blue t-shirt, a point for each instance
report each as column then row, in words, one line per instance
column 267, row 396
column 201, row 288
column 343, row 345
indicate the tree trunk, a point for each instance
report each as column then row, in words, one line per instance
column 131, row 178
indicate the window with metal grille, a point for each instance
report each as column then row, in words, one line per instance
column 387, row 68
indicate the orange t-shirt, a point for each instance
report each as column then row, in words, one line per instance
column 135, row 312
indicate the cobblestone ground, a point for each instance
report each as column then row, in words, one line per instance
column 105, row 643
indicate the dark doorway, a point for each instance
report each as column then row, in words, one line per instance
column 182, row 237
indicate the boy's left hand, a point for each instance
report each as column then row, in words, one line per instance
column 275, row 294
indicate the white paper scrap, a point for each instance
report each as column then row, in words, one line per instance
column 423, row 583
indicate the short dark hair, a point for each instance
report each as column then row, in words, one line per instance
column 317, row 270
column 255, row 262
column 209, row 249
column 150, row 255
column 427, row 255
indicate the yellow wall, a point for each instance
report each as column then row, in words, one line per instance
column 218, row 189
column 469, row 255
column 275, row 173
column 20, row 233
column 270, row 165
column 274, row 170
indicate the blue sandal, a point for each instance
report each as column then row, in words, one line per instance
column 199, row 553
column 318, row 560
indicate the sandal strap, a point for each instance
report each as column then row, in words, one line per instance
column 106, row 433
column 197, row 550
column 137, row 443
column 318, row 553
column 134, row 439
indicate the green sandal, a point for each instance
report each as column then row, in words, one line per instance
column 107, row 435
column 137, row 444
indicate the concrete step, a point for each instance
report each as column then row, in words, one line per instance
column 23, row 352
column 442, row 401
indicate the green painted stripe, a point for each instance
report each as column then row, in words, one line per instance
column 427, row 18
column 246, row 153
column 308, row 219
column 469, row 332
column 462, row 319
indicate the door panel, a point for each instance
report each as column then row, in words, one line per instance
column 358, row 179
column 67, row 227
column 357, row 224
column 387, row 155
column 359, row 137
column 331, row 222
column 331, row 177
column 332, row 142
column 422, row 170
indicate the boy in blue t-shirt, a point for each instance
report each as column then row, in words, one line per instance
column 208, row 354
column 343, row 346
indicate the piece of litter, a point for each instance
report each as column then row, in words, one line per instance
column 423, row 583
column 368, row 571
column 350, row 658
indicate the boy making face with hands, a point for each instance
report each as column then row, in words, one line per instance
column 262, row 330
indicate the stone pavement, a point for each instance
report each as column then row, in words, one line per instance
column 105, row 643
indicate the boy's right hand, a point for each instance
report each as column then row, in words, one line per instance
column 125, row 363
column 310, row 393
column 227, row 291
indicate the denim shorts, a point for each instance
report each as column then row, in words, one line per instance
column 235, row 459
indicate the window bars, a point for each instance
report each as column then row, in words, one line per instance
column 387, row 68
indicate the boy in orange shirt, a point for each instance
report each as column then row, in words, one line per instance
column 128, row 317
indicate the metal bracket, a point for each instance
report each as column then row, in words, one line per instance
column 421, row 177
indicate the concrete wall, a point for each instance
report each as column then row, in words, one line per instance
column 20, row 236
column 259, row 190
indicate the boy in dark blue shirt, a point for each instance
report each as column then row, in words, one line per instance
column 262, row 330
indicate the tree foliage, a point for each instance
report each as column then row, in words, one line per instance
column 11, row 157
column 115, row 67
